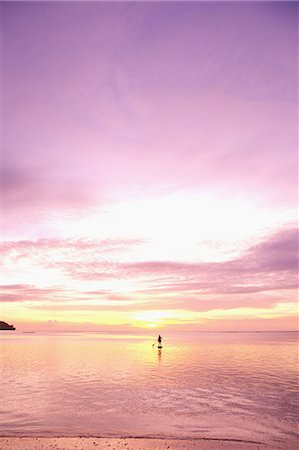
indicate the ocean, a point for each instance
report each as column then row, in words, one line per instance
column 200, row 385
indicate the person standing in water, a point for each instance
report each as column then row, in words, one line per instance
column 159, row 341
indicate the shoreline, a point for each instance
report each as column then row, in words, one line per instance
column 92, row 443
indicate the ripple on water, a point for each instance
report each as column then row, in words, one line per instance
column 226, row 385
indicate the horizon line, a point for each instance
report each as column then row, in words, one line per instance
column 170, row 331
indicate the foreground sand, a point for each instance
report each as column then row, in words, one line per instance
column 81, row 443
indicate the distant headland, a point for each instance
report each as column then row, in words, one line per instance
column 5, row 326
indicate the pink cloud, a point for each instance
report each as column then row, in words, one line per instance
column 269, row 265
column 252, row 280
column 26, row 292
column 199, row 303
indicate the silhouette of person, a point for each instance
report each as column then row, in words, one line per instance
column 159, row 341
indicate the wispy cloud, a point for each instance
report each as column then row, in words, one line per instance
column 270, row 265
column 163, row 284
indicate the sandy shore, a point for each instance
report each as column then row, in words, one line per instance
column 81, row 443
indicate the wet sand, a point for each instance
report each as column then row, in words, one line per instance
column 84, row 443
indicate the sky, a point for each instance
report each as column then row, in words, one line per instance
column 149, row 166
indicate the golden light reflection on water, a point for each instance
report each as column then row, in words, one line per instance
column 197, row 384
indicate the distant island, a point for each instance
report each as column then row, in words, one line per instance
column 5, row 326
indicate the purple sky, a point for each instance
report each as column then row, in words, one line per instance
column 150, row 156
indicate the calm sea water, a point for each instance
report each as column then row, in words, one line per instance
column 213, row 385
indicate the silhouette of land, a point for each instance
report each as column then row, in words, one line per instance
column 5, row 326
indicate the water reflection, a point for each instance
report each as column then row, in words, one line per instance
column 159, row 356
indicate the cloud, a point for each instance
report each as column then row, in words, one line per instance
column 40, row 245
column 77, row 301
column 270, row 265
column 263, row 275
column 26, row 292
column 65, row 254
column 280, row 253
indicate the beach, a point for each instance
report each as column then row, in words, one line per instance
column 90, row 443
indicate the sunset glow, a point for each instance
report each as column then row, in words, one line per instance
column 149, row 173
